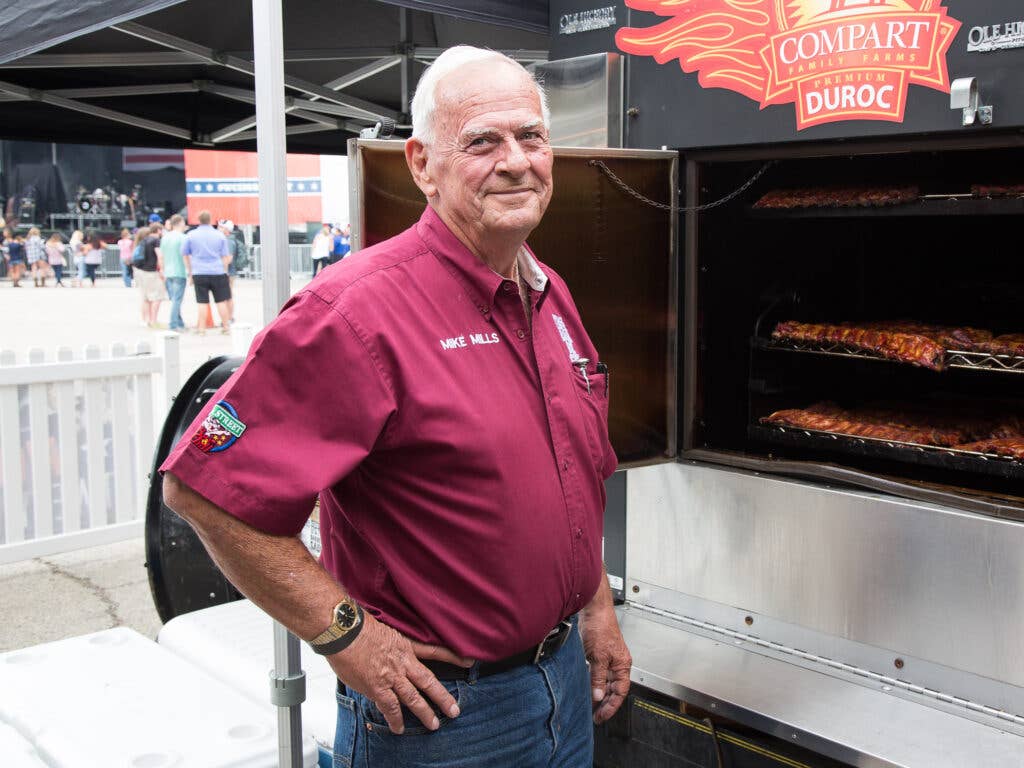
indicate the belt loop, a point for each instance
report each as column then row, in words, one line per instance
column 474, row 673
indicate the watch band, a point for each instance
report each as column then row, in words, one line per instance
column 343, row 642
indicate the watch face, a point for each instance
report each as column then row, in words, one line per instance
column 345, row 615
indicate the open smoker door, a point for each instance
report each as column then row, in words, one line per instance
column 619, row 257
column 616, row 253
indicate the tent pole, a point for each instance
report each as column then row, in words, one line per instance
column 270, row 145
column 287, row 681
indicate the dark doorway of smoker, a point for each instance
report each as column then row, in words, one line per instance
column 939, row 262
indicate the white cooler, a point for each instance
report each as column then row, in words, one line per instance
column 16, row 751
column 235, row 643
column 115, row 698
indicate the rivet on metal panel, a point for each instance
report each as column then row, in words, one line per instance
column 749, row 620
column 898, row 663
column 633, row 112
column 636, row 588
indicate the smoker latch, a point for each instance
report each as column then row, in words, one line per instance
column 963, row 95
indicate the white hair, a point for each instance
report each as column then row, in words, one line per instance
column 423, row 102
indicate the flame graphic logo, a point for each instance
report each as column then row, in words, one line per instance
column 810, row 53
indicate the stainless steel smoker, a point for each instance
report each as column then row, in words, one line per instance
column 790, row 597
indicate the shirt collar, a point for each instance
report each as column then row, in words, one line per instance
column 480, row 280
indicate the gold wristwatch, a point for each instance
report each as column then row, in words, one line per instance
column 347, row 623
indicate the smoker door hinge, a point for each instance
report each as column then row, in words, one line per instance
column 887, row 683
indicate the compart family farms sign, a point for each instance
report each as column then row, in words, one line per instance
column 834, row 59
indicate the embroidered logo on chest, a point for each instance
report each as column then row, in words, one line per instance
column 219, row 430
column 469, row 340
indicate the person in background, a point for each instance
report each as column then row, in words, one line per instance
column 35, row 254
column 15, row 247
column 175, row 277
column 77, row 256
column 93, row 257
column 206, row 262
column 137, row 240
column 340, row 245
column 4, row 237
column 55, row 256
column 149, row 274
column 321, row 248
column 124, row 247
column 226, row 227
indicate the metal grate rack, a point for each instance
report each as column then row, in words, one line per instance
column 1005, row 467
column 962, row 359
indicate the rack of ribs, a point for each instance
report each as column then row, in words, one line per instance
column 879, row 424
column 1012, row 447
column 1007, row 344
column 903, row 346
column 837, row 197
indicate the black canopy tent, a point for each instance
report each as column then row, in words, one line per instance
column 180, row 72
column 197, row 73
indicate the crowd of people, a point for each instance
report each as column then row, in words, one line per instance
column 45, row 259
column 161, row 260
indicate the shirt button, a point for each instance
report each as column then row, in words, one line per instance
column 565, row 464
column 509, row 287
column 521, row 333
column 579, row 533
column 484, row 310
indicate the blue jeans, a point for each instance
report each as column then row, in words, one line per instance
column 126, row 273
column 530, row 717
column 176, row 292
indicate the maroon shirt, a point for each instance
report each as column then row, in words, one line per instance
column 458, row 455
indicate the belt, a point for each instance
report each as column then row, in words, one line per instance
column 554, row 640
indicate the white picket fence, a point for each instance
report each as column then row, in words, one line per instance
column 76, row 444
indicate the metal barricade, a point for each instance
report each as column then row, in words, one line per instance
column 300, row 261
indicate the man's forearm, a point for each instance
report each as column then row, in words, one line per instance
column 602, row 599
column 276, row 572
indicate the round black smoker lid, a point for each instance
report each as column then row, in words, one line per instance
column 182, row 577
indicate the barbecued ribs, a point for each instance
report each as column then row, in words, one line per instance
column 962, row 339
column 906, row 341
column 1007, row 344
column 1001, row 434
column 997, row 190
column 837, row 197
column 906, row 347
column 880, row 424
column 1004, row 446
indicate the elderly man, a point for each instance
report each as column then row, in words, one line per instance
column 460, row 467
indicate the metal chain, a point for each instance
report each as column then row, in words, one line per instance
column 624, row 187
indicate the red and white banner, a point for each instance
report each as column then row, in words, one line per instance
column 226, row 184
column 149, row 159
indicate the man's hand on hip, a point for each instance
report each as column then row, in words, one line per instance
column 385, row 666
column 609, row 658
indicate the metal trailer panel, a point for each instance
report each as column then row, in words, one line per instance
column 856, row 723
column 846, row 582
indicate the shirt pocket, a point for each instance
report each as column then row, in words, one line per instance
column 592, row 394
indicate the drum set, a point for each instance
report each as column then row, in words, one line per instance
column 108, row 201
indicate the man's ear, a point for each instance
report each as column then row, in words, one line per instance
column 416, row 159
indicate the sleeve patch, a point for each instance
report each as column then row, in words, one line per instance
column 219, row 430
